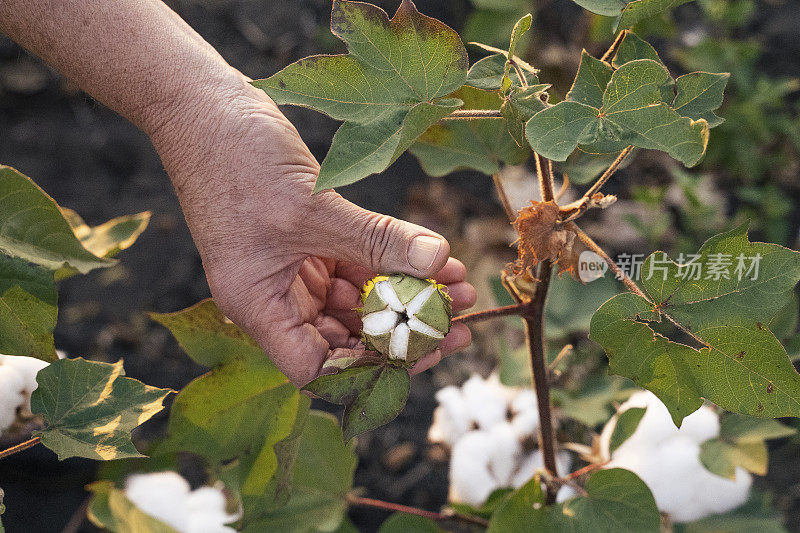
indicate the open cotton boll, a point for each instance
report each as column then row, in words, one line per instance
column 471, row 481
column 27, row 368
column 206, row 510
column 720, row 494
column 168, row 497
column 505, row 453
column 701, row 425
column 451, row 419
column 161, row 495
column 487, row 401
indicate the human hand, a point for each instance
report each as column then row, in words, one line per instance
column 285, row 265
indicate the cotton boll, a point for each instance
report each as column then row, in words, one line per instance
column 525, row 424
column 655, row 426
column 161, row 495
column 524, row 401
column 505, row 452
column 451, row 419
column 27, row 368
column 471, row 481
column 701, row 425
column 720, row 494
column 487, row 402
column 206, row 511
column 12, row 383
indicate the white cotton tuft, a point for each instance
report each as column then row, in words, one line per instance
column 471, row 482
column 413, row 307
column 451, row 419
column 389, row 296
column 505, row 452
column 17, row 382
column 419, row 326
column 668, row 461
column 161, row 495
column 487, row 402
column 535, row 461
column 168, row 497
column 701, row 425
column 398, row 345
column 380, row 322
column 565, row 493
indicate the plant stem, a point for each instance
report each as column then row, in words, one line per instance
column 614, row 46
column 534, row 330
column 506, row 310
column 593, row 246
column 466, row 114
column 565, row 351
column 545, row 178
column 20, row 447
column 501, row 192
column 398, row 508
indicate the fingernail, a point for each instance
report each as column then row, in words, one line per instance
column 423, row 250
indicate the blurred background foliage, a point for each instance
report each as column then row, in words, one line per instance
column 94, row 162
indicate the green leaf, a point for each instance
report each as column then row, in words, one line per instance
column 632, row 48
column 207, row 336
column 590, row 81
column 743, row 367
column 34, row 229
column 633, row 112
column 245, row 409
column 407, row 523
column 519, row 106
column 109, row 238
column 639, row 10
column 593, row 404
column 722, row 458
column 481, row 145
column 626, row 425
column 388, row 89
column 616, row 501
column 699, row 94
column 372, row 395
column 28, row 309
column 323, row 474
column 113, row 511
column 520, row 28
column 741, row 442
column 757, row 514
column 89, row 408
column 487, row 74
column 608, row 8
column 748, row 429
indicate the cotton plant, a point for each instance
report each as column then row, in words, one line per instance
column 667, row 459
column 489, row 428
column 167, row 496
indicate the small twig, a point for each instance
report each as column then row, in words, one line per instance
column 577, row 208
column 20, row 447
column 614, row 46
column 506, row 310
column 565, row 351
column 520, row 74
column 431, row 515
column 466, row 114
column 586, row 469
column 593, row 246
column 558, row 482
column 564, row 186
column 501, row 192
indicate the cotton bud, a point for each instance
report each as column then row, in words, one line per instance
column 404, row 318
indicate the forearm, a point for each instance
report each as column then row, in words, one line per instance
column 135, row 56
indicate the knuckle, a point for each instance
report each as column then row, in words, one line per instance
column 379, row 233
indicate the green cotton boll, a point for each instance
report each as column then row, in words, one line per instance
column 404, row 318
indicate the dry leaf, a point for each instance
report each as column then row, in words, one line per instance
column 541, row 237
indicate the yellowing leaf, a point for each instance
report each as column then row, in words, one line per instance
column 89, row 408
column 388, row 89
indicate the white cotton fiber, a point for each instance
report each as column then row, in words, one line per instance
column 17, row 382
column 668, row 461
column 168, row 497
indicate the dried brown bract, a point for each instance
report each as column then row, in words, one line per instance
column 542, row 237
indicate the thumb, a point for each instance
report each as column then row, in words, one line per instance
column 342, row 230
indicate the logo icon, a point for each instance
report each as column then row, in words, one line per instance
column 591, row 266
